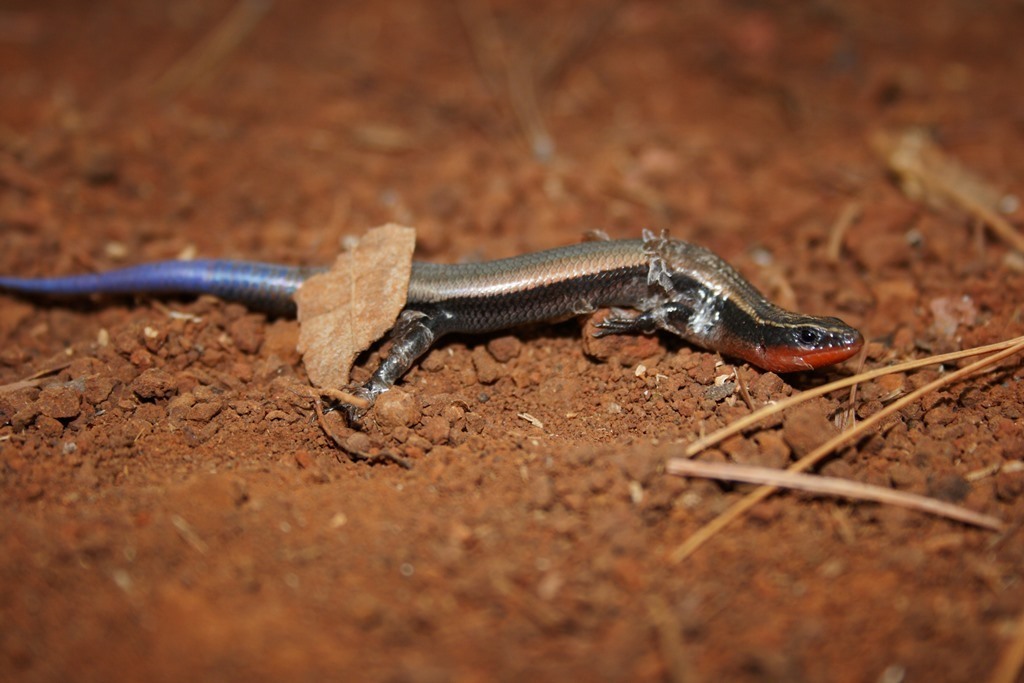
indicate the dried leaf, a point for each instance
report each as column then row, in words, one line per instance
column 343, row 311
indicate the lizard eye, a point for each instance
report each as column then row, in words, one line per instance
column 809, row 336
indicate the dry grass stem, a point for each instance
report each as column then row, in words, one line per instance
column 200, row 62
column 678, row 661
column 1009, row 668
column 928, row 175
column 849, row 214
column 582, row 32
column 829, row 486
column 506, row 77
column 759, row 415
column 521, row 80
column 736, row 511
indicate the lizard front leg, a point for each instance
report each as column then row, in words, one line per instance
column 667, row 316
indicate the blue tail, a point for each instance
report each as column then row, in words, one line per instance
column 262, row 286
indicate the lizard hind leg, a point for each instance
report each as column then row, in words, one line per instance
column 411, row 337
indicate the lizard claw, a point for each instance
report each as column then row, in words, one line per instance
column 359, row 402
column 619, row 323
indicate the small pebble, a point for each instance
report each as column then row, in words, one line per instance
column 488, row 371
column 435, row 429
column 358, row 443
column 396, row 408
column 950, row 487
column 98, row 164
column 805, row 427
column 153, row 383
column 504, row 349
column 204, row 412
column 60, row 402
column 772, row 450
column 49, row 426
column 304, row 459
column 98, row 388
column 248, row 333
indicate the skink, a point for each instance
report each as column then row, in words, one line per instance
column 671, row 285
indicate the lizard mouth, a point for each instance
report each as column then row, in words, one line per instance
column 789, row 359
